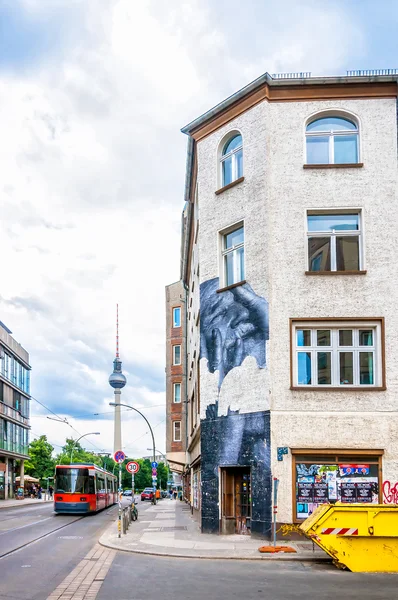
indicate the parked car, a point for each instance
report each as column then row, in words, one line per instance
column 147, row 494
column 127, row 493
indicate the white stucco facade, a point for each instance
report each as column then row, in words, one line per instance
column 272, row 203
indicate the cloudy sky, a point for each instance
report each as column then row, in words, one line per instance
column 93, row 94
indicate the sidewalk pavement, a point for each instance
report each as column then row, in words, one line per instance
column 25, row 502
column 168, row 529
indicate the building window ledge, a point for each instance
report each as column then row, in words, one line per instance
column 334, row 166
column 340, row 388
column 335, row 272
column 230, row 185
column 231, row 287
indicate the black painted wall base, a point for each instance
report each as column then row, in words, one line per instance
column 236, row 440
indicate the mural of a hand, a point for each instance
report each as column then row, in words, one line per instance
column 234, row 325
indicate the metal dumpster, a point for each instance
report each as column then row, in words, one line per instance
column 360, row 537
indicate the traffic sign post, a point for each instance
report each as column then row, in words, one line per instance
column 119, row 457
column 133, row 467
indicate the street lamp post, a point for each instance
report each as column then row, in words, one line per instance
column 78, row 439
column 153, row 437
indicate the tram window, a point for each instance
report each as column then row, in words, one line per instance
column 75, row 481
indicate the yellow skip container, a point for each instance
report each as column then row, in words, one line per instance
column 360, row 537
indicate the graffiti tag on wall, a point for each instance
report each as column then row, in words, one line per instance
column 390, row 493
column 233, row 325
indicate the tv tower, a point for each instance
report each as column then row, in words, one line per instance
column 117, row 380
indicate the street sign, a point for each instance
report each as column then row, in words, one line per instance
column 154, row 472
column 133, row 467
column 154, row 464
column 119, row 456
column 154, row 478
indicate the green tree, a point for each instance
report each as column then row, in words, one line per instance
column 162, row 476
column 41, row 463
column 79, row 454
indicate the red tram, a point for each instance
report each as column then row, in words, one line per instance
column 82, row 488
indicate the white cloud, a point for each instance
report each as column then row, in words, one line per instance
column 92, row 176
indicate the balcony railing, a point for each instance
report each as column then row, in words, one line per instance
column 371, row 72
column 301, row 75
column 8, row 411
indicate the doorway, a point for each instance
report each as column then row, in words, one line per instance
column 236, row 500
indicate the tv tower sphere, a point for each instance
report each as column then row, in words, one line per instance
column 117, row 380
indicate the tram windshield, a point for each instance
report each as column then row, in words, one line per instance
column 75, row 481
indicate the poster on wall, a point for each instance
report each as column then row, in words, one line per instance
column 305, row 492
column 364, row 492
column 321, row 492
column 347, row 483
column 348, row 492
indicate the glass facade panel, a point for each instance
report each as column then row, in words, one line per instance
column 317, row 150
column 177, row 355
column 347, row 253
column 324, row 368
column 323, row 337
column 177, row 317
column 234, row 238
column 345, row 337
column 229, row 269
column 366, row 373
column 331, row 124
column 345, row 149
column 346, row 368
column 303, row 337
column 304, row 368
column 227, row 171
column 319, row 254
column 333, row 222
column 239, row 163
column 365, row 337
column 232, row 144
column 177, row 392
column 13, row 438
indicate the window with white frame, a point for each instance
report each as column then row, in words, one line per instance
column 332, row 140
column 337, row 354
column 177, row 392
column 176, row 355
column 177, row 431
column 334, row 241
column 231, row 160
column 177, row 316
column 233, row 255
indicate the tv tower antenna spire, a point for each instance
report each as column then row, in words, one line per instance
column 117, row 381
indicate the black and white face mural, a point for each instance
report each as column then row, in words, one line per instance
column 233, row 326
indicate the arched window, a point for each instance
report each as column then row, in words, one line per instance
column 231, row 160
column 332, row 140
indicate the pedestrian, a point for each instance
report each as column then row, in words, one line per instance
column 51, row 491
column 33, row 491
column 171, row 494
column 39, row 490
column 175, row 494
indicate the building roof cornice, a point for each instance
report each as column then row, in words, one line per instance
column 282, row 89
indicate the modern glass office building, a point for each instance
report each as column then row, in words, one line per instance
column 14, row 412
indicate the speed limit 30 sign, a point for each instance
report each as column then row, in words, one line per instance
column 133, row 467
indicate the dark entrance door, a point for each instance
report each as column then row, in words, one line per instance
column 236, row 500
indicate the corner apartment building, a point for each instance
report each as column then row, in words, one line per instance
column 176, row 379
column 14, row 411
column 290, row 207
